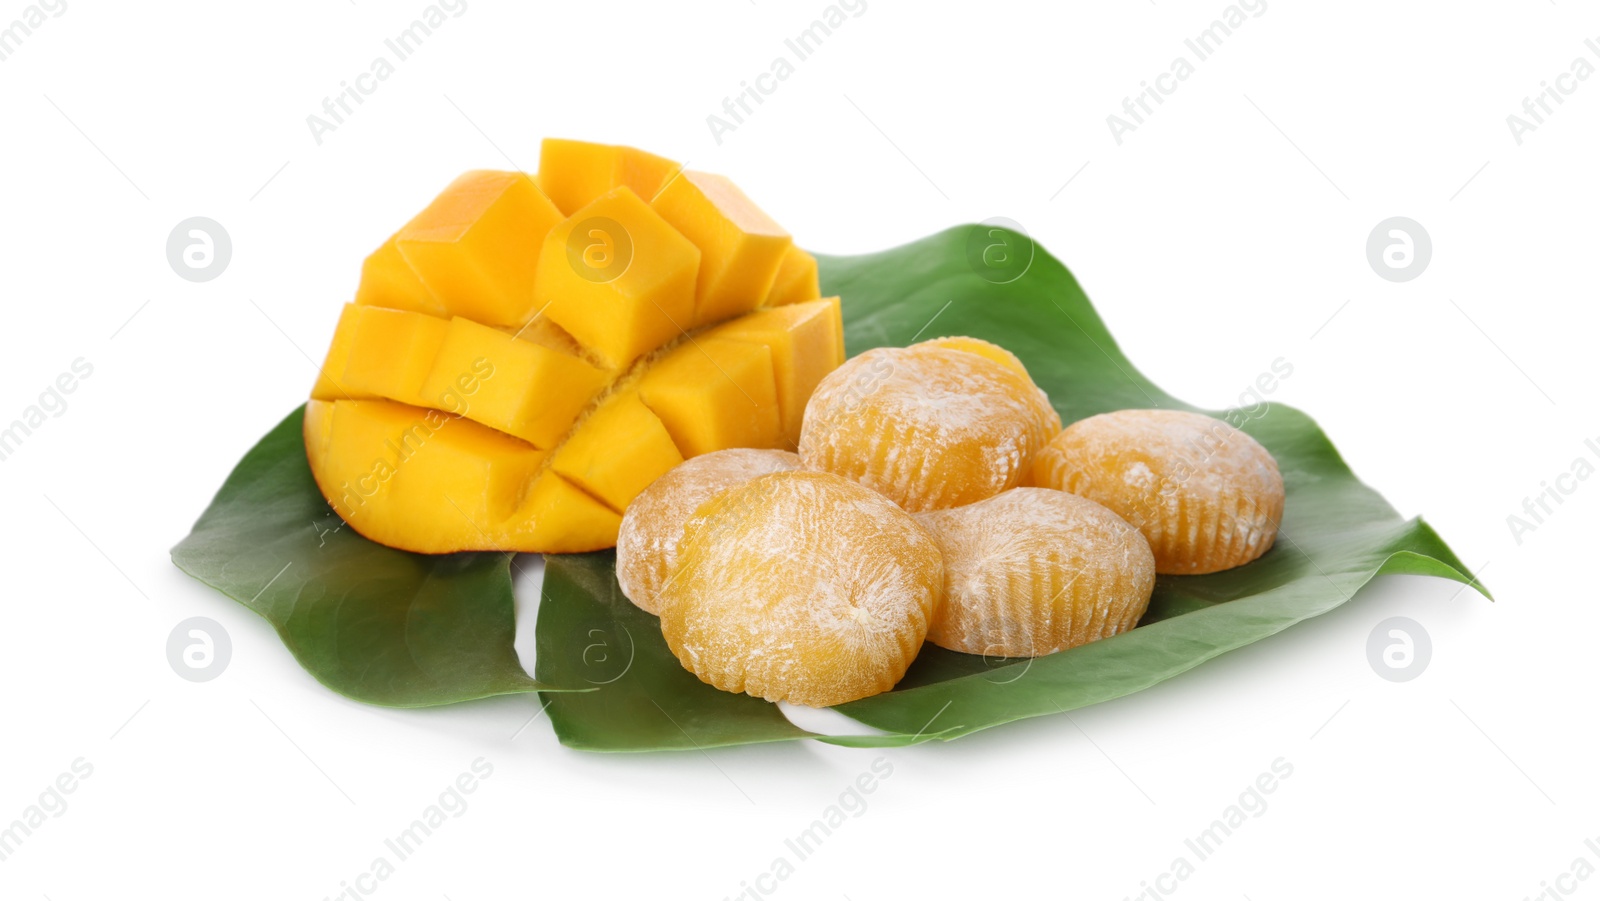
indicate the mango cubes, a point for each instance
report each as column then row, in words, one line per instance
column 743, row 247
column 528, row 354
column 618, row 277
column 469, row 251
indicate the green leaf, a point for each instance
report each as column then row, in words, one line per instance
column 1337, row 535
column 389, row 627
column 370, row 622
column 590, row 633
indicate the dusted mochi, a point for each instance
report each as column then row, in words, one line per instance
column 1207, row 496
column 801, row 587
column 927, row 426
column 647, row 545
column 515, row 368
column 1032, row 571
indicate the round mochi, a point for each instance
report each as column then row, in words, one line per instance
column 1207, row 496
column 802, row 587
column 1033, row 571
column 927, row 426
column 647, row 542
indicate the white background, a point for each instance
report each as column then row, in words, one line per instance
column 1227, row 231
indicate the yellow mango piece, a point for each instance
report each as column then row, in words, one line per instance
column 807, row 343
column 796, row 280
column 391, row 353
column 618, row 278
column 715, row 393
column 387, row 280
column 740, row 246
column 575, row 173
column 330, row 378
column 621, row 448
column 510, row 380
column 415, row 478
column 476, row 246
column 559, row 518
column 523, row 388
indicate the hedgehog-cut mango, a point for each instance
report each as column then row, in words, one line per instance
column 529, row 353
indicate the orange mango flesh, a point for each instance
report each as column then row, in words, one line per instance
column 648, row 302
column 796, row 279
column 742, row 246
column 622, row 448
column 713, row 393
column 487, row 391
column 575, row 173
column 804, row 339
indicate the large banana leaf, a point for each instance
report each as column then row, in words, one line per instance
column 357, row 617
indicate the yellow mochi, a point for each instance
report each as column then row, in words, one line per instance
column 647, row 545
column 927, row 426
column 801, row 587
column 1033, row 571
column 1207, row 496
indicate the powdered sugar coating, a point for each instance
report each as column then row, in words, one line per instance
column 647, row 542
column 1207, row 496
column 1032, row 571
column 802, row 587
column 927, row 426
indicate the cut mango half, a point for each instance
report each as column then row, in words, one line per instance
column 529, row 353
